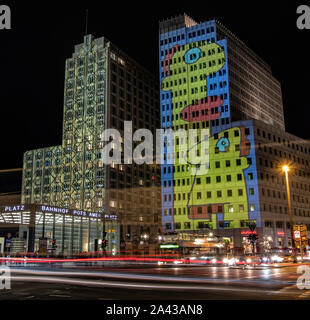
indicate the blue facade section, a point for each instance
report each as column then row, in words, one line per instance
column 177, row 37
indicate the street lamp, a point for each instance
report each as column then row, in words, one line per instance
column 286, row 169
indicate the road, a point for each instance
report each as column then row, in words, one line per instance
column 96, row 281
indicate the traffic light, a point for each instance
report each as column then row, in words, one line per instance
column 252, row 237
column 252, row 225
column 104, row 244
column 54, row 243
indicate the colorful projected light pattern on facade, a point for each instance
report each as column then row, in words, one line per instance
column 195, row 95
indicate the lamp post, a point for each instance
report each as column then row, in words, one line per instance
column 286, row 169
column 145, row 238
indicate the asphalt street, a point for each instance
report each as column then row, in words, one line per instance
column 97, row 281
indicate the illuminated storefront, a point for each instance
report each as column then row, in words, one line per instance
column 186, row 243
column 61, row 231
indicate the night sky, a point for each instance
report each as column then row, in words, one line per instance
column 43, row 35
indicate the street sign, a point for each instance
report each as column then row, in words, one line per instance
column 296, row 235
column 300, row 234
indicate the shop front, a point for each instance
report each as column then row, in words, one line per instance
column 48, row 230
column 188, row 244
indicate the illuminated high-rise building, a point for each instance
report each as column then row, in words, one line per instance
column 252, row 92
column 210, row 80
column 103, row 88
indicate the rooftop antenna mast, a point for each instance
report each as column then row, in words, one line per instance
column 86, row 24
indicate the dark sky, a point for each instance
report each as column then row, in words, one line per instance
column 43, row 35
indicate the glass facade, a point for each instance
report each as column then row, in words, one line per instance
column 72, row 175
column 53, row 230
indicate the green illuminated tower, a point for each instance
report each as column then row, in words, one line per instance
column 64, row 175
column 103, row 88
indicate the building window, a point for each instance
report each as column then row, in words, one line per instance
column 168, row 226
column 279, row 224
column 113, row 204
column 187, row 225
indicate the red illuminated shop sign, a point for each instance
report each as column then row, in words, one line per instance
column 246, row 233
column 280, row 233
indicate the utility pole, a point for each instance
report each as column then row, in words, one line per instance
column 286, row 169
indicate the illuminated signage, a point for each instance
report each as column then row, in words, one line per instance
column 94, row 215
column 14, row 208
column 169, row 246
column 51, row 209
column 297, row 234
column 199, row 241
column 248, row 232
column 280, row 233
column 110, row 216
column 54, row 209
column 79, row 213
column 86, row 214
column 300, row 234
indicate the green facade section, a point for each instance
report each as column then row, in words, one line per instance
column 221, row 190
column 187, row 79
column 72, row 174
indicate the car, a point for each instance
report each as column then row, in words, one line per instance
column 288, row 258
